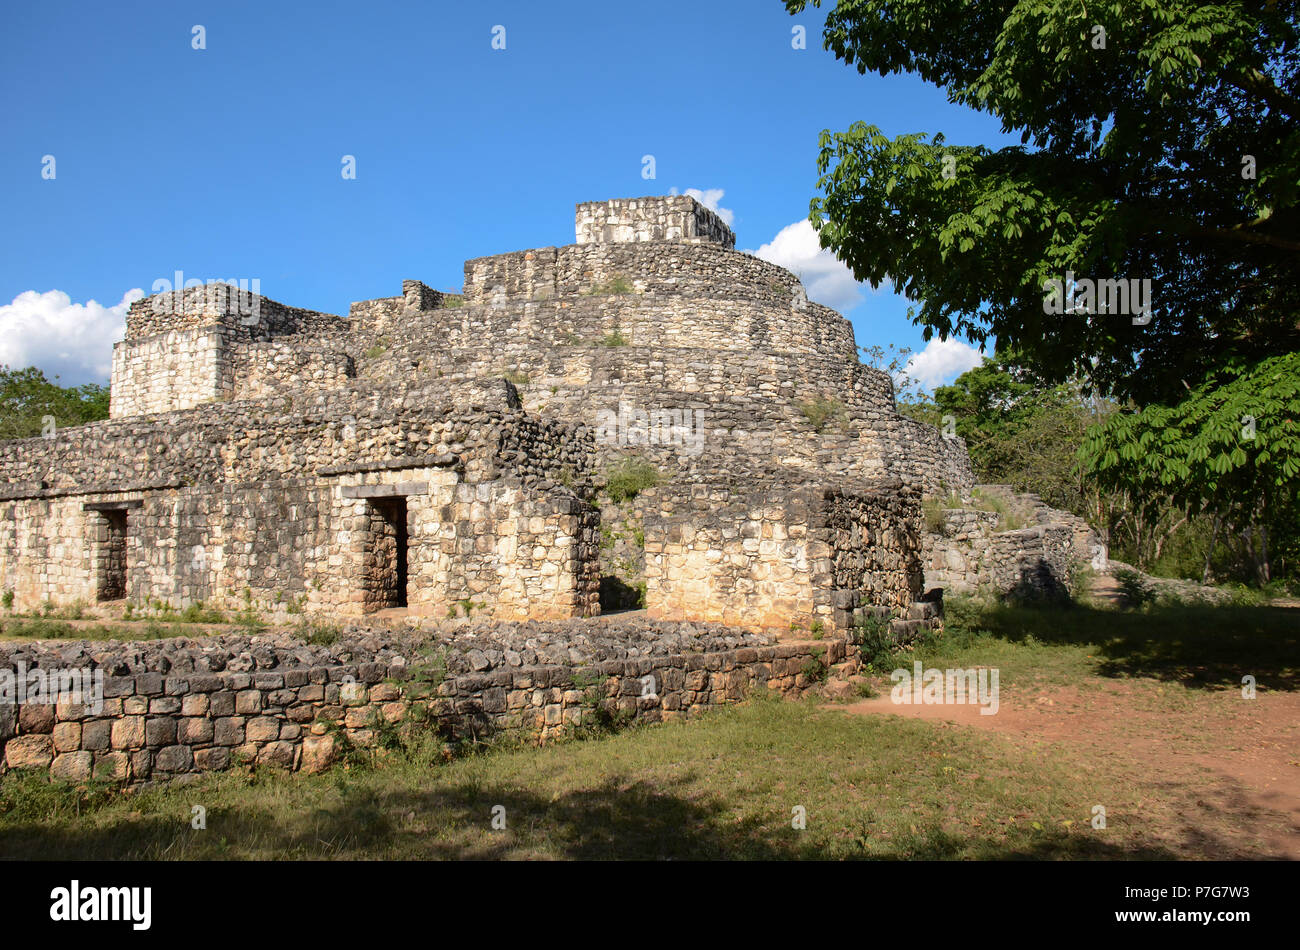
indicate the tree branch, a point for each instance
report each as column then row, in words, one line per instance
column 1258, row 84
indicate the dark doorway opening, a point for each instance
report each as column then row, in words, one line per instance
column 617, row 594
column 385, row 578
column 112, row 555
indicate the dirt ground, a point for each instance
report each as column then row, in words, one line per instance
column 1212, row 770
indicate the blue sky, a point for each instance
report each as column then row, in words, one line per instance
column 225, row 162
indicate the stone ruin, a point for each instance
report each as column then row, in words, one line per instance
column 432, row 449
column 435, row 454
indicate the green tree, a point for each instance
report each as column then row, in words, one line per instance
column 1020, row 430
column 1161, row 142
column 1231, row 448
column 894, row 361
column 29, row 403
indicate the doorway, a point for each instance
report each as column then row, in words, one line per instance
column 111, row 581
column 385, row 574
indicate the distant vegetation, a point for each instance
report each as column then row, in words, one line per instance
column 29, row 403
column 1049, row 439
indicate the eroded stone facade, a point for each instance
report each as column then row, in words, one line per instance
column 434, row 448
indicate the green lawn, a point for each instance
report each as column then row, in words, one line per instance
column 724, row 786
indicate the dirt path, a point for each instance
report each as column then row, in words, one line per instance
column 1223, row 767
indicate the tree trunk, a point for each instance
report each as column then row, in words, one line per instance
column 1166, row 535
column 1214, row 536
column 1267, row 572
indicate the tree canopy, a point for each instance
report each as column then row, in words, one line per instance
column 1231, row 447
column 1160, row 142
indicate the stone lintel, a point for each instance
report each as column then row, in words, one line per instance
column 385, row 491
column 112, row 505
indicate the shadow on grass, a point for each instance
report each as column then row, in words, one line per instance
column 616, row 821
column 1198, row 646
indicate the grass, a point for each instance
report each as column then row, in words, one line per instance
column 198, row 613
column 318, row 633
column 1007, row 519
column 618, row 284
column 724, row 786
column 43, row 628
column 933, row 510
column 1197, row 646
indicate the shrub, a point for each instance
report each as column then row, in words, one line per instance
column 814, row 669
column 821, row 411
column 427, row 673
column 932, row 509
column 1136, row 591
column 614, row 338
column 628, row 478
column 875, row 642
column 319, row 634
column 1007, row 519
column 618, row 284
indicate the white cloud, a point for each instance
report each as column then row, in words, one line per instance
column 942, row 361
column 71, row 340
column 826, row 279
column 710, row 197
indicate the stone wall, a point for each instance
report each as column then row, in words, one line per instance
column 781, row 557
column 301, row 714
column 186, row 348
column 292, row 435
column 259, row 500
column 288, row 364
column 657, row 218
column 971, row 554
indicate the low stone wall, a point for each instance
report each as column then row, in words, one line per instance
column 157, row 726
column 969, row 555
